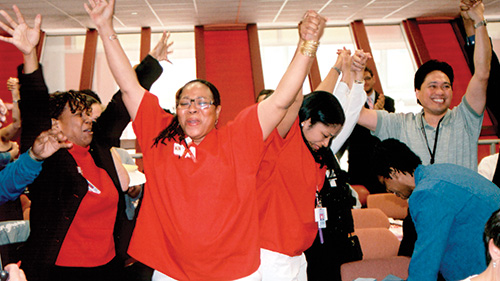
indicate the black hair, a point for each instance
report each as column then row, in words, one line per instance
column 92, row 94
column 321, row 106
column 75, row 100
column 492, row 231
column 174, row 130
column 367, row 69
column 266, row 92
column 429, row 67
column 392, row 154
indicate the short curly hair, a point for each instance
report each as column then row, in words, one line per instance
column 75, row 100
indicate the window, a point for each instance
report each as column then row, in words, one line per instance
column 395, row 65
column 62, row 58
column 175, row 75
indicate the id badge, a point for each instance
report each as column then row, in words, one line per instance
column 320, row 216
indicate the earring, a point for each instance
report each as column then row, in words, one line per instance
column 302, row 124
column 216, row 121
column 494, row 264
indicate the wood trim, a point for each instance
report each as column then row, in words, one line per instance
column 88, row 63
column 416, row 41
column 223, row 27
column 255, row 59
column 199, row 39
column 314, row 75
column 458, row 27
column 434, row 20
column 39, row 47
column 145, row 42
column 362, row 42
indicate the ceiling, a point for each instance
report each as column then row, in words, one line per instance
column 69, row 16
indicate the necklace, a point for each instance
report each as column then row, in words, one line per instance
column 433, row 152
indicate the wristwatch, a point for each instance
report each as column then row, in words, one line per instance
column 481, row 23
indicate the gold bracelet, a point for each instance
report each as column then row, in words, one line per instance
column 308, row 48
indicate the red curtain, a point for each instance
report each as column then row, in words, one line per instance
column 228, row 67
column 10, row 57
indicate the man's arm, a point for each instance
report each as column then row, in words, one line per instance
column 493, row 89
column 368, row 119
column 476, row 90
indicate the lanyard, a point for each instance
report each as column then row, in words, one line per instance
column 433, row 152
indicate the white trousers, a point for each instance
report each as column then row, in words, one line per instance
column 279, row 267
column 158, row 276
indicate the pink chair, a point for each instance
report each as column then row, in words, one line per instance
column 369, row 218
column 376, row 268
column 393, row 206
column 380, row 256
column 377, row 243
column 362, row 193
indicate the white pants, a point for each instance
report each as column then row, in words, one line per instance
column 158, row 276
column 279, row 267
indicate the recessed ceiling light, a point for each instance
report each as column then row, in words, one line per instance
column 134, row 13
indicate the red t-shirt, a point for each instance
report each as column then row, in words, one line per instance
column 198, row 220
column 89, row 241
column 286, row 187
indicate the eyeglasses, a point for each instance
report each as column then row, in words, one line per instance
column 199, row 103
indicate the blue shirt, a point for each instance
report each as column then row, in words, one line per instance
column 4, row 159
column 17, row 175
column 450, row 206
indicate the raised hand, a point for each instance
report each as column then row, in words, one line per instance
column 14, row 151
column 379, row 105
column 4, row 109
column 359, row 61
column 345, row 56
column 312, row 26
column 13, row 87
column 15, row 274
column 161, row 50
column 476, row 11
column 48, row 142
column 24, row 37
column 101, row 12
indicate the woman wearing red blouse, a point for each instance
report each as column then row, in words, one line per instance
column 199, row 216
column 293, row 171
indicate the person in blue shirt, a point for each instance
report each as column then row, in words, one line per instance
column 449, row 205
column 16, row 175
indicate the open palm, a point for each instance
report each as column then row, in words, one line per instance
column 24, row 37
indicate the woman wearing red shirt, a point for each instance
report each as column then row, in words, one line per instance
column 293, row 170
column 199, row 219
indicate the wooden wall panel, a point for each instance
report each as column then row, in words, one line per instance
column 362, row 42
